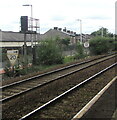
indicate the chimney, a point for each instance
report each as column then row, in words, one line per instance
column 59, row 29
column 71, row 32
column 55, row 28
column 68, row 31
column 74, row 33
column 64, row 29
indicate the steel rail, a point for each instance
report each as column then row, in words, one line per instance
column 52, row 80
column 67, row 92
column 51, row 72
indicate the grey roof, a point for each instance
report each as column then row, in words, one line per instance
column 52, row 33
column 8, row 36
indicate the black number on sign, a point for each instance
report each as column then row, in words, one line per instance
column 12, row 57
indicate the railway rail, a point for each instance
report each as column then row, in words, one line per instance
column 25, row 103
column 15, row 89
column 57, row 99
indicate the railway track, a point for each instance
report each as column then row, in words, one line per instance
column 17, row 88
column 35, row 113
column 25, row 103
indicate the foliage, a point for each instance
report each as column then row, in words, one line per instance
column 65, row 41
column 49, row 52
column 103, row 31
column 114, row 46
column 100, row 45
column 68, row 59
column 79, row 51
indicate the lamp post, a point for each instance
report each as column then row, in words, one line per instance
column 80, row 29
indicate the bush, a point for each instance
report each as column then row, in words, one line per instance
column 99, row 45
column 79, row 51
column 68, row 59
column 49, row 53
column 114, row 46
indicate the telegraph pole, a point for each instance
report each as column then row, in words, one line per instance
column 80, row 30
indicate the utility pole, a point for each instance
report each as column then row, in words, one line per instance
column 25, row 49
column 80, row 30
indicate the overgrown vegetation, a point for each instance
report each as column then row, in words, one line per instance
column 79, row 51
column 101, row 45
column 102, row 32
column 49, row 52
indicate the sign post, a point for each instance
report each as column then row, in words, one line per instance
column 12, row 56
column 86, row 45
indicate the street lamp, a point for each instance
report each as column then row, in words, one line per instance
column 31, row 9
column 80, row 29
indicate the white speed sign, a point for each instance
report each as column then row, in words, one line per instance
column 12, row 56
column 86, row 44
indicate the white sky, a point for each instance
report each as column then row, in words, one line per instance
column 60, row 13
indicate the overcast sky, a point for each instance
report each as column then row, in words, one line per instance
column 60, row 13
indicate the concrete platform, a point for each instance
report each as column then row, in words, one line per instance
column 102, row 106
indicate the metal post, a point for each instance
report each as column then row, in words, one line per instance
column 25, row 49
column 31, row 27
column 80, row 30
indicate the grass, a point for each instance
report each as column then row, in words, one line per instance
column 38, row 68
column 68, row 59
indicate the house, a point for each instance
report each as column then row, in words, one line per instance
column 62, row 34
column 9, row 39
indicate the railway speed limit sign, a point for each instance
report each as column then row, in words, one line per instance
column 86, row 44
column 12, row 56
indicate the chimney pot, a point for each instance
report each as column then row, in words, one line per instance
column 55, row 28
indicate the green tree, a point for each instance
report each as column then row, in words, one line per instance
column 100, row 45
column 49, row 53
column 65, row 41
column 79, row 51
column 103, row 31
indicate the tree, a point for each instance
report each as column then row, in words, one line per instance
column 79, row 51
column 65, row 41
column 49, row 53
column 62, row 41
column 102, row 31
column 100, row 45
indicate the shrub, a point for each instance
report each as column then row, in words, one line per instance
column 99, row 45
column 49, row 53
column 115, row 46
column 79, row 51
